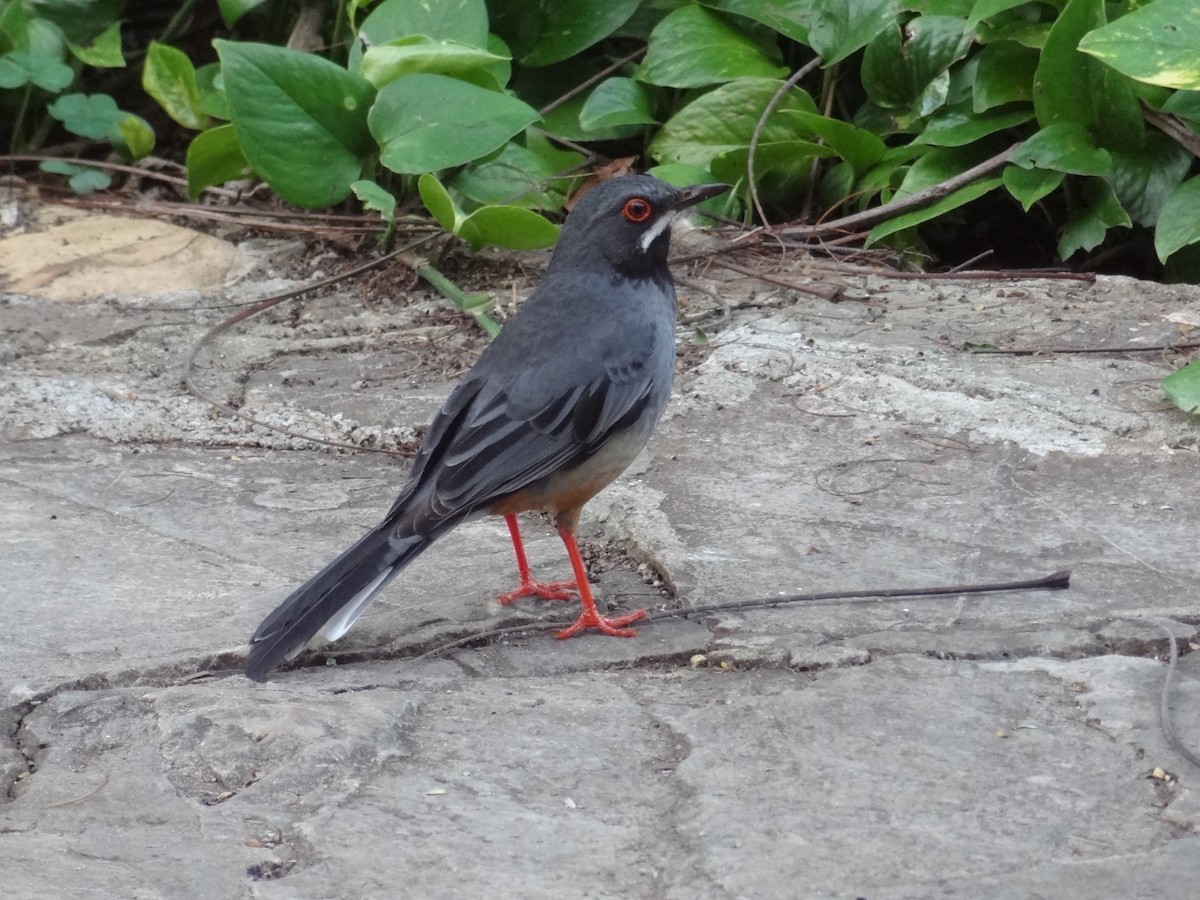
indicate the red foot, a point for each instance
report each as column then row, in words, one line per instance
column 552, row 590
column 589, row 618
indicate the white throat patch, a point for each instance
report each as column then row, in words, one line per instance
column 655, row 231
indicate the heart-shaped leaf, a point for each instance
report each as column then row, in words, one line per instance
column 301, row 120
column 429, row 122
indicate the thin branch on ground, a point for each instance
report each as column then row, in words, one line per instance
column 176, row 180
column 832, row 294
column 1035, row 351
column 1164, row 704
column 1057, row 581
column 920, row 199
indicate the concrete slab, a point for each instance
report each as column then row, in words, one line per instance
column 983, row 746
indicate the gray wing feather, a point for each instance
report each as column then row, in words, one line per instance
column 494, row 440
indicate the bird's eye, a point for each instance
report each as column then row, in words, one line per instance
column 637, row 210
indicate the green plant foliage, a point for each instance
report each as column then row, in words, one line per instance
column 1179, row 219
column 1087, row 225
column 461, row 21
column 104, row 52
column 838, row 28
column 724, row 119
column 1062, row 81
column 22, row 67
column 232, row 10
column 479, row 106
column 1064, row 147
column 424, row 123
column 82, row 179
column 170, row 78
column 1183, row 387
column 502, row 226
column 1159, row 43
column 301, row 120
column 565, row 29
column 617, row 101
column 215, row 157
column 416, row 53
column 693, row 47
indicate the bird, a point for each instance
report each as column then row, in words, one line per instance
column 554, row 409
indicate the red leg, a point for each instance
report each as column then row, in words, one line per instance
column 589, row 617
column 554, row 590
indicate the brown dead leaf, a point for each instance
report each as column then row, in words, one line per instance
column 615, row 169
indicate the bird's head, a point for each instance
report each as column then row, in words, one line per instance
column 626, row 224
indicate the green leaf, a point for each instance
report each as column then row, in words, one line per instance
column 1029, row 186
column 1158, row 43
column 428, row 122
column 618, row 101
column 94, row 116
column 1179, row 219
column 375, row 198
column 958, row 126
column 516, row 176
column 1143, row 179
column 1119, row 124
column 782, row 169
column 499, row 226
column 1018, row 30
column 1182, row 387
column 232, row 10
column 214, row 157
column 213, row 101
column 82, row 179
column 1065, row 147
column 464, row 21
column 1185, row 104
column 553, row 156
column 905, row 73
column 985, row 9
column 501, row 69
column 170, row 78
column 1004, row 75
column 961, row 197
column 104, row 52
column 838, row 28
column 935, row 167
column 724, row 119
column 439, row 202
column 133, row 137
column 789, row 19
column 693, row 47
column 385, row 63
column 1087, row 226
column 860, row 148
column 568, row 28
column 1062, row 84
column 301, row 120
column 22, row 67
column 507, row 226
column 76, row 20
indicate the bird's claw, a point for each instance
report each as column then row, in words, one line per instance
column 614, row 626
column 551, row 590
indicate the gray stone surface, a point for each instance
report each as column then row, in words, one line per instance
column 1002, row 745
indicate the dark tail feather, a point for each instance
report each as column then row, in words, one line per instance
column 332, row 599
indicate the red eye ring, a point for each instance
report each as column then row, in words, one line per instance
column 637, row 210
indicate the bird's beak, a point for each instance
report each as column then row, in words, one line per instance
column 698, row 193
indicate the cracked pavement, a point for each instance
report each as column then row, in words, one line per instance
column 1002, row 745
